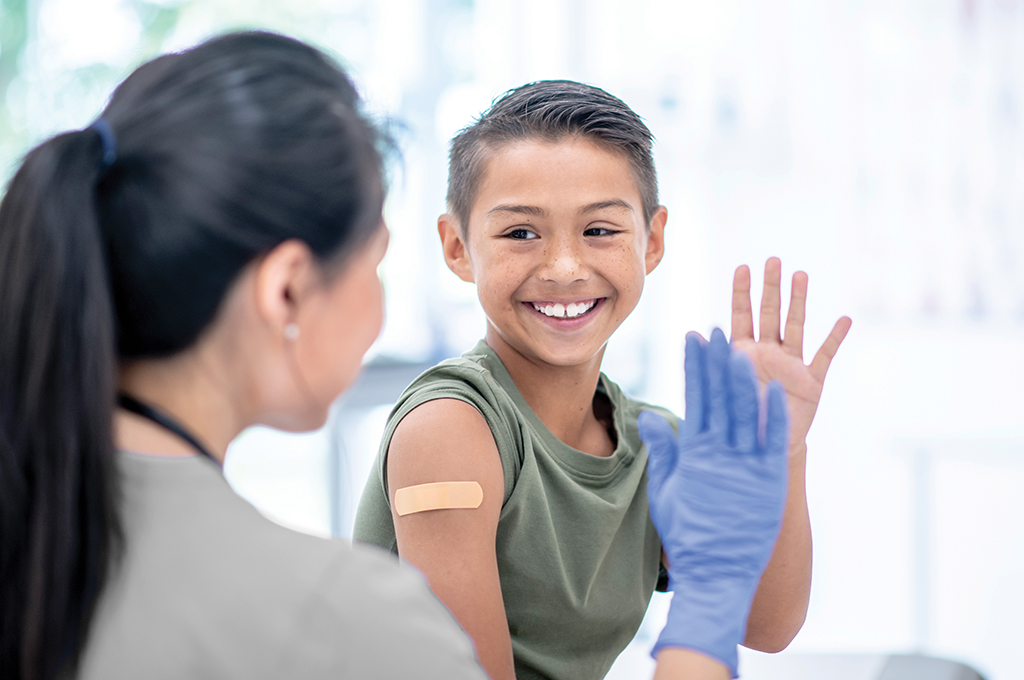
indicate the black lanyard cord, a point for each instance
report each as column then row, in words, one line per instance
column 137, row 407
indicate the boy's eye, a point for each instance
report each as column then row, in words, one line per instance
column 599, row 231
column 521, row 234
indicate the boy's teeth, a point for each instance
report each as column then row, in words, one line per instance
column 569, row 311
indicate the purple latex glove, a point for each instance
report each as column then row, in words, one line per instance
column 717, row 493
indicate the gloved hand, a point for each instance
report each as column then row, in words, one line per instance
column 716, row 495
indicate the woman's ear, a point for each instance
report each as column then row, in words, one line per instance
column 282, row 279
column 454, row 246
column 656, row 238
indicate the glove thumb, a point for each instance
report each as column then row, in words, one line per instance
column 662, row 448
column 777, row 426
column 776, row 450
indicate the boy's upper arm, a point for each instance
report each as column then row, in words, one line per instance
column 448, row 440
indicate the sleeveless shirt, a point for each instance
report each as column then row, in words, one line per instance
column 578, row 555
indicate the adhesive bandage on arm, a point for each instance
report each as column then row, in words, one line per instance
column 438, row 496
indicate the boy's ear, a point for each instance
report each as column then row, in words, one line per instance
column 454, row 247
column 656, row 238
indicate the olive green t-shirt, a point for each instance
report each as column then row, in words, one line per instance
column 577, row 553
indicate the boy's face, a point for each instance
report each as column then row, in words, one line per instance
column 557, row 246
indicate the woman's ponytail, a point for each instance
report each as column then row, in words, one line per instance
column 58, row 517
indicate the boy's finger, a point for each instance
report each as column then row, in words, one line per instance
column 695, row 365
column 771, row 302
column 777, row 427
column 662, row 449
column 718, row 383
column 821, row 361
column 743, row 397
column 793, row 343
column 742, row 314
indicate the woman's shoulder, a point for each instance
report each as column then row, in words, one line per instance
column 207, row 585
column 380, row 618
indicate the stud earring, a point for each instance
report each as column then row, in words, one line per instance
column 291, row 331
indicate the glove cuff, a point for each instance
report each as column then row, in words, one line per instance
column 709, row 618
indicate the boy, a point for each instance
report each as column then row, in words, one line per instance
column 554, row 215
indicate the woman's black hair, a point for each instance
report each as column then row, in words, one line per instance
column 121, row 243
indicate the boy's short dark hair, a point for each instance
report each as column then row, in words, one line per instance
column 550, row 110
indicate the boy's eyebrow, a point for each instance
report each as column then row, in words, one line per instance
column 537, row 211
column 519, row 210
column 601, row 205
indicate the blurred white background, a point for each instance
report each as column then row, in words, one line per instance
column 876, row 144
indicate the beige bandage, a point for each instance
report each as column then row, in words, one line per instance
column 438, row 496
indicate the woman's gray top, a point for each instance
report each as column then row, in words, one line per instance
column 209, row 588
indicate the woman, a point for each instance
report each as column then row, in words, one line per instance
column 201, row 259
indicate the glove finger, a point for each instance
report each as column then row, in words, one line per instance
column 662, row 447
column 718, row 384
column 744, row 402
column 695, row 366
column 777, row 429
column 777, row 452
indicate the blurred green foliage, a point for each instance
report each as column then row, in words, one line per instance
column 80, row 85
column 49, row 82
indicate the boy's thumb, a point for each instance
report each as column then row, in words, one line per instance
column 662, row 448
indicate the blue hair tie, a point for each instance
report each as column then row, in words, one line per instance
column 106, row 133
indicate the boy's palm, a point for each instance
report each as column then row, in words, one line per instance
column 803, row 390
column 781, row 358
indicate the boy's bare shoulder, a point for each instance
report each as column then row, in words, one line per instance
column 442, row 419
column 455, row 416
column 444, row 440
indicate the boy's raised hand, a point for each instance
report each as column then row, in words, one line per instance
column 716, row 492
column 781, row 358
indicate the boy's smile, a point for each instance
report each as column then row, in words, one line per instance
column 557, row 246
column 571, row 310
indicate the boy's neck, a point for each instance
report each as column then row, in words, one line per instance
column 561, row 396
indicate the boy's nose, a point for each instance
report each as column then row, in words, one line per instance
column 563, row 264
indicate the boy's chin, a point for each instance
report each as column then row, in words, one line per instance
column 567, row 357
column 554, row 354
